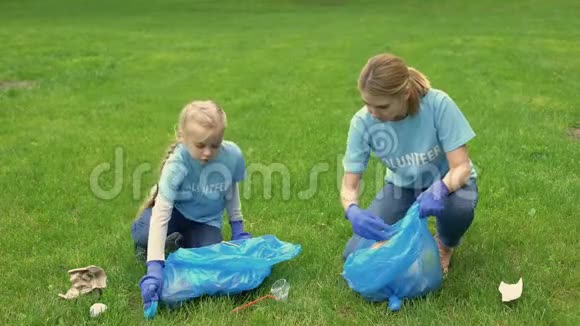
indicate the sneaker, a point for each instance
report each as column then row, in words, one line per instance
column 173, row 242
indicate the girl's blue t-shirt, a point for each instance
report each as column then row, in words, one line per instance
column 199, row 190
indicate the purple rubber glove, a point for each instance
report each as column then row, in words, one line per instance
column 367, row 225
column 151, row 285
column 238, row 231
column 432, row 200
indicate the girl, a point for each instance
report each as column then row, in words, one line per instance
column 420, row 135
column 199, row 178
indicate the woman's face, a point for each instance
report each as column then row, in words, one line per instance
column 386, row 108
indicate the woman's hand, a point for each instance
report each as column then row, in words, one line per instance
column 367, row 225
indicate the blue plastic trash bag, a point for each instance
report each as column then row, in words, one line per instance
column 405, row 266
column 222, row 269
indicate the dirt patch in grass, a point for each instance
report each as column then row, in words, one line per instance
column 345, row 311
column 15, row 84
column 574, row 133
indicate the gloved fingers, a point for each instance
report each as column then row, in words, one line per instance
column 150, row 293
column 377, row 223
column 242, row 236
column 391, row 232
column 371, row 214
column 377, row 235
column 154, row 294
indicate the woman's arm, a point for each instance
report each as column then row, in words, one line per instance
column 349, row 189
column 459, row 169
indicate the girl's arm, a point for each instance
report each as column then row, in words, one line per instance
column 459, row 169
column 158, row 228
column 233, row 204
column 234, row 208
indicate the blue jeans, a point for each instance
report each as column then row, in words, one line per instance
column 392, row 202
column 194, row 234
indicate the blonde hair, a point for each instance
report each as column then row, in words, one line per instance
column 388, row 75
column 204, row 113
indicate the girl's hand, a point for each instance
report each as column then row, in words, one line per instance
column 238, row 231
column 241, row 236
column 151, row 285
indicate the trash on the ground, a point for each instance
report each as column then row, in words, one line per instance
column 279, row 292
column 85, row 280
column 97, row 309
column 511, row 292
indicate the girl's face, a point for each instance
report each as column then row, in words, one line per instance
column 203, row 143
column 386, row 108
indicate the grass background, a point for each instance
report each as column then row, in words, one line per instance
column 101, row 76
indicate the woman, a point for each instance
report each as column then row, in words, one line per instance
column 420, row 135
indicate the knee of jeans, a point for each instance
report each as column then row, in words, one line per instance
column 139, row 235
column 140, row 228
column 211, row 240
column 350, row 246
column 463, row 211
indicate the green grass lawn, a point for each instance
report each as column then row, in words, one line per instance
column 80, row 80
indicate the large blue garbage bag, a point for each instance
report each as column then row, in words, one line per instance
column 222, row 269
column 405, row 266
